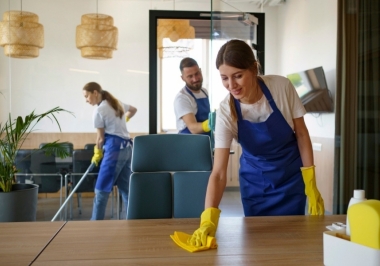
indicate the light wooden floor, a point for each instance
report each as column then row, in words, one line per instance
column 47, row 207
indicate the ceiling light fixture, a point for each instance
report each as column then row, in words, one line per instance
column 250, row 19
column 21, row 35
column 96, row 37
column 175, row 30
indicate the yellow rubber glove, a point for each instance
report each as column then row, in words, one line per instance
column 181, row 238
column 98, row 155
column 316, row 205
column 205, row 126
column 127, row 119
column 209, row 224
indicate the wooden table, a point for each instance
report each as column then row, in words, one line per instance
column 290, row 240
column 20, row 243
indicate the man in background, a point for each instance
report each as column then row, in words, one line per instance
column 191, row 104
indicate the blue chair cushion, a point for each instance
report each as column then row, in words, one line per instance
column 150, row 196
column 171, row 153
column 189, row 193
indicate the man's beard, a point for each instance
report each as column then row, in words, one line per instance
column 195, row 87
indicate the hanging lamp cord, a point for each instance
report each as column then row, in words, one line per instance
column 97, row 8
column 22, row 22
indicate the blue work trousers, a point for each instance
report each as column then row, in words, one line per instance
column 121, row 179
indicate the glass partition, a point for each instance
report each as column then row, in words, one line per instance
column 211, row 31
column 135, row 74
column 227, row 26
column 56, row 77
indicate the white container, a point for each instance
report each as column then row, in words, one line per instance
column 359, row 196
column 338, row 252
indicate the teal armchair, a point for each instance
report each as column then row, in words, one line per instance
column 169, row 176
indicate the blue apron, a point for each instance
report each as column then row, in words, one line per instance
column 111, row 149
column 270, row 177
column 203, row 106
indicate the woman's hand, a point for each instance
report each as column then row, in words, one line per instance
column 209, row 224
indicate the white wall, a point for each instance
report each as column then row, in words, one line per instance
column 47, row 81
column 299, row 34
column 307, row 37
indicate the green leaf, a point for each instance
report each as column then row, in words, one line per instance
column 12, row 136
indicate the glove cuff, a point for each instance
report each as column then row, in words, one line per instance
column 96, row 150
column 308, row 174
column 205, row 126
column 307, row 167
column 210, row 216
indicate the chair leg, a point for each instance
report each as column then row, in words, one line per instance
column 66, row 194
column 70, row 202
column 79, row 202
column 119, row 204
column 68, row 191
column 71, row 209
column 112, row 200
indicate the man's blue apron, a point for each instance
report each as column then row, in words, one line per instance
column 203, row 106
column 270, row 177
column 111, row 149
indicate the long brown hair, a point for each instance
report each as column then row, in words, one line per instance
column 238, row 54
column 93, row 86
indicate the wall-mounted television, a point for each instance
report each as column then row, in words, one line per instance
column 311, row 87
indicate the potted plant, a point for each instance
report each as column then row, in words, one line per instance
column 18, row 202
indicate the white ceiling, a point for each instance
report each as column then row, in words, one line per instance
column 256, row 2
column 265, row 2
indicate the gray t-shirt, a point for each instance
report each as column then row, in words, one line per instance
column 104, row 117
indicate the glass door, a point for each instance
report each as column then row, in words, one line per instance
column 226, row 26
column 178, row 34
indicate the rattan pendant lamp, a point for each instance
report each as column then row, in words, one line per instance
column 21, row 35
column 96, row 36
column 175, row 30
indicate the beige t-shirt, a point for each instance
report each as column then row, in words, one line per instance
column 284, row 95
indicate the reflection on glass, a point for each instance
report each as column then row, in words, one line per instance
column 204, row 50
column 172, row 82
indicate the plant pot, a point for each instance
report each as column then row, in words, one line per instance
column 19, row 205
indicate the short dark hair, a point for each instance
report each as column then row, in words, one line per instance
column 187, row 62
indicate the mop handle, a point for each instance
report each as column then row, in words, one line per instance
column 73, row 191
